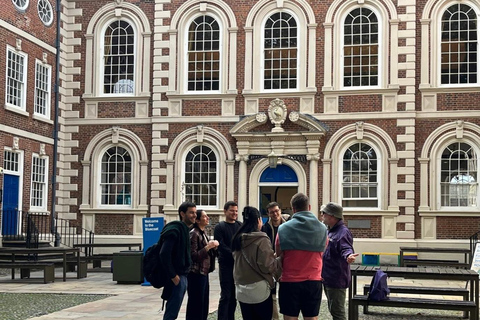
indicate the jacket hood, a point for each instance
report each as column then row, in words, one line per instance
column 252, row 237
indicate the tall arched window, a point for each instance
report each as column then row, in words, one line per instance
column 280, row 52
column 459, row 176
column 459, row 53
column 360, row 176
column 116, row 177
column 200, row 183
column 119, row 58
column 361, row 49
column 204, row 54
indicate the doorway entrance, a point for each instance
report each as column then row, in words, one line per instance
column 277, row 184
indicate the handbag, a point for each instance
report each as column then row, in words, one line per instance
column 253, row 292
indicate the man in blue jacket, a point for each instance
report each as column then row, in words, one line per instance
column 336, row 260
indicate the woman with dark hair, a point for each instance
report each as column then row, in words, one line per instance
column 203, row 254
column 255, row 267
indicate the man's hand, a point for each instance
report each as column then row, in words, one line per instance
column 351, row 258
column 176, row 280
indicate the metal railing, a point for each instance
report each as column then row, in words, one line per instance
column 473, row 243
column 36, row 227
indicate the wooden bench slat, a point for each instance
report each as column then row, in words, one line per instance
column 48, row 269
column 425, row 290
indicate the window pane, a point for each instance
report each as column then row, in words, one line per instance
column 119, row 57
column 116, row 177
column 280, row 52
column 360, row 49
column 203, row 54
column 201, row 180
column 359, row 182
column 459, row 176
column 458, row 45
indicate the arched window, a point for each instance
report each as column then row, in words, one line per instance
column 459, row 176
column 116, row 177
column 360, row 176
column 119, row 58
column 204, row 54
column 459, row 54
column 280, row 52
column 361, row 49
column 200, row 182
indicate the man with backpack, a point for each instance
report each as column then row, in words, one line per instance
column 336, row 260
column 175, row 256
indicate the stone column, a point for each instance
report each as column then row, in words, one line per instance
column 313, row 158
column 242, row 181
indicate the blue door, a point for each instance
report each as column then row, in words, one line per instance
column 10, row 204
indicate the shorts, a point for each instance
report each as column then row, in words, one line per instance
column 304, row 296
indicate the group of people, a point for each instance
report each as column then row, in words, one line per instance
column 302, row 254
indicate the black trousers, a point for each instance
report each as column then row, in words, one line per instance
column 257, row 311
column 227, row 303
column 198, row 300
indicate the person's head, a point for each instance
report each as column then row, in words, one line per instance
column 252, row 221
column 274, row 213
column 230, row 209
column 202, row 219
column 300, row 202
column 332, row 213
column 187, row 212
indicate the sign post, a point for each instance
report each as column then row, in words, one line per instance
column 152, row 227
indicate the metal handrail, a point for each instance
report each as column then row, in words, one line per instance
column 33, row 227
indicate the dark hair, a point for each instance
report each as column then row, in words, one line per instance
column 199, row 214
column 184, row 207
column 272, row 204
column 299, row 202
column 250, row 224
column 229, row 204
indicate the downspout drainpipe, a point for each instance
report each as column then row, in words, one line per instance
column 55, row 126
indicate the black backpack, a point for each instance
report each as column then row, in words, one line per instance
column 153, row 269
column 378, row 287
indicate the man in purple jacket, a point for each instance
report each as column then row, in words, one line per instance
column 336, row 260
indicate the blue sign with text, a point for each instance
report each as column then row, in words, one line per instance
column 152, row 227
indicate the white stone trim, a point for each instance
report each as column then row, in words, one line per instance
column 306, row 26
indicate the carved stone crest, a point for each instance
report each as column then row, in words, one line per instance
column 277, row 112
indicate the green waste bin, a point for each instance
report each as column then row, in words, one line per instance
column 128, row 266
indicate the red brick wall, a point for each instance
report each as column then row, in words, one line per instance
column 113, row 224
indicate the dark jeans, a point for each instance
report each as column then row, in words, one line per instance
column 227, row 303
column 257, row 311
column 198, row 291
column 175, row 301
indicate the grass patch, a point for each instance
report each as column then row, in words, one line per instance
column 19, row 306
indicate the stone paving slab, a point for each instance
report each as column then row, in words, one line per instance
column 134, row 301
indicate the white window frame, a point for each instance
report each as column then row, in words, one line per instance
column 379, row 173
column 380, row 50
column 99, row 178
column 47, row 92
column 438, row 164
column 93, row 55
column 183, row 183
column 438, row 36
column 430, row 75
column 43, row 10
column 23, row 81
column 42, row 186
column 102, row 59
column 299, row 49
column 381, row 53
column 21, row 8
column 220, row 50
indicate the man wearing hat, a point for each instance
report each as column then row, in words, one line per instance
column 336, row 260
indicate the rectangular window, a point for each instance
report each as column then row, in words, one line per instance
column 38, row 196
column 42, row 89
column 10, row 161
column 16, row 79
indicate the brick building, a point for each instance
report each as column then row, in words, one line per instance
column 371, row 104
